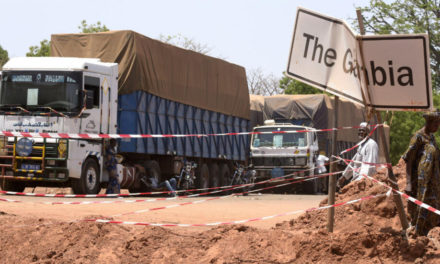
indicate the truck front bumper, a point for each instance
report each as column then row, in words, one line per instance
column 264, row 173
column 46, row 161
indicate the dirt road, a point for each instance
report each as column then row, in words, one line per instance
column 368, row 231
column 218, row 210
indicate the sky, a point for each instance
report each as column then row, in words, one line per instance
column 253, row 34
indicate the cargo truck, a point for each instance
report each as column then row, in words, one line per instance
column 279, row 154
column 120, row 82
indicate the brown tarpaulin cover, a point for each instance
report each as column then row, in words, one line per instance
column 163, row 70
column 257, row 106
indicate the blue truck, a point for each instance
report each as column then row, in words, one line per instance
column 120, row 82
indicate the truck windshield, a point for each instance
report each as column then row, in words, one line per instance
column 36, row 89
column 279, row 140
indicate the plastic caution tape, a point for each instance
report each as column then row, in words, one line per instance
column 223, row 197
column 155, row 193
column 378, row 165
column 185, row 196
column 362, row 141
column 233, row 222
column 406, row 196
column 117, row 136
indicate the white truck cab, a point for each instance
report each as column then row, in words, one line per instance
column 275, row 152
column 56, row 95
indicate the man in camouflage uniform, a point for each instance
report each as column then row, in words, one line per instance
column 423, row 177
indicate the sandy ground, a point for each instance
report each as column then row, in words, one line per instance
column 221, row 210
column 365, row 232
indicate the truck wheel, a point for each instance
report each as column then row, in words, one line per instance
column 138, row 185
column 89, row 183
column 311, row 186
column 13, row 186
column 225, row 175
column 203, row 177
column 153, row 170
column 214, row 172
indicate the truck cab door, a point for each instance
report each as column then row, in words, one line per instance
column 105, row 105
column 91, row 118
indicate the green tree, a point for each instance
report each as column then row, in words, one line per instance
column 4, row 57
column 44, row 49
column 292, row 86
column 403, row 126
column 40, row 51
column 93, row 28
column 405, row 17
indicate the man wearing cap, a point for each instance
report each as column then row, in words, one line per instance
column 363, row 162
column 422, row 174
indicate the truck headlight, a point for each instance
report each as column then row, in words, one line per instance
column 3, row 143
column 62, row 148
column 24, row 147
column 301, row 161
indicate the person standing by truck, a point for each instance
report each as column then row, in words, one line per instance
column 363, row 162
column 110, row 165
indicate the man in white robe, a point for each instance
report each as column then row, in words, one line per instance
column 363, row 163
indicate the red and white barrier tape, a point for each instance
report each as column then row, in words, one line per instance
column 106, row 136
column 233, row 222
column 362, row 141
column 186, row 196
column 9, row 200
column 153, row 193
column 406, row 196
column 226, row 196
column 377, row 165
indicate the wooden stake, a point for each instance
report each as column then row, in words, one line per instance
column 332, row 178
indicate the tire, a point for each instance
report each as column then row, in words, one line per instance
column 185, row 185
column 225, row 175
column 214, row 172
column 311, row 186
column 250, row 181
column 138, row 185
column 89, row 183
column 153, row 170
column 13, row 186
column 203, row 177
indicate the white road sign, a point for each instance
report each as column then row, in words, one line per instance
column 325, row 53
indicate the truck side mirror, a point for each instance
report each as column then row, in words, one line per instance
column 89, row 99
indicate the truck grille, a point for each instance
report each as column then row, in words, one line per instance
column 274, row 161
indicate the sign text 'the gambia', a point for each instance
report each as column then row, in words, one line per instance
column 325, row 53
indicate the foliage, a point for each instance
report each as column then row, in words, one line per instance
column 292, row 86
column 40, row 51
column 44, row 49
column 186, row 43
column 403, row 127
column 407, row 16
column 4, row 57
column 93, row 28
column 262, row 84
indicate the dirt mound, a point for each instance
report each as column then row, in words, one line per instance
column 369, row 229
column 365, row 232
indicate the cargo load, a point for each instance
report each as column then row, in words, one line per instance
column 165, row 89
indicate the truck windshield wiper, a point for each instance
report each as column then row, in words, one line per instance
column 48, row 108
column 14, row 106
